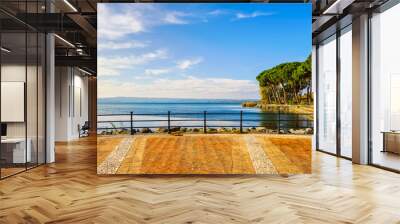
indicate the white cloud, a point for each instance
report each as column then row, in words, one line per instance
column 107, row 71
column 110, row 66
column 189, row 87
column 175, row 18
column 156, row 72
column 252, row 15
column 113, row 25
column 117, row 22
column 187, row 63
column 218, row 12
column 116, row 45
column 180, row 65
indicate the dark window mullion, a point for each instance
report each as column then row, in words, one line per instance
column 26, row 88
column 338, row 98
column 37, row 90
column 316, row 97
column 0, row 94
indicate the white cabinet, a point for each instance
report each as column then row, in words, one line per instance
column 17, row 145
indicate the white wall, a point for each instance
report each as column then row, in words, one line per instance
column 71, row 102
column 33, row 126
column 14, row 72
column 62, row 82
column 17, row 73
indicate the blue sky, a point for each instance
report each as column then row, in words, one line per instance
column 196, row 50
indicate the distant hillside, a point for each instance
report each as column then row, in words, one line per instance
column 167, row 100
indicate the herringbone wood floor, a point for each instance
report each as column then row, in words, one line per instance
column 69, row 191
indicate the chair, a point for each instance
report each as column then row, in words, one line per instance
column 84, row 130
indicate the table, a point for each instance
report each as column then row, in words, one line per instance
column 391, row 141
column 17, row 150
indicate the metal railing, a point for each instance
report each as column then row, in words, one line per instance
column 274, row 121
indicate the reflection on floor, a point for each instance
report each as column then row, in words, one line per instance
column 387, row 159
column 11, row 169
column 70, row 191
column 205, row 154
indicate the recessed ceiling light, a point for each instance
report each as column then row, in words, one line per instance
column 5, row 50
column 84, row 71
column 64, row 40
column 70, row 5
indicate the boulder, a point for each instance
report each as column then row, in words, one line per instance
column 221, row 130
column 123, row 131
column 261, row 129
column 145, row 130
column 211, row 130
column 270, row 131
column 297, row 131
column 175, row 129
column 283, row 131
column 236, row 130
column 249, row 104
column 161, row 130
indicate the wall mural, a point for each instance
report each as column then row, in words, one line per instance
column 204, row 88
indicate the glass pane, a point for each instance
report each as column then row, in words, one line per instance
column 327, row 95
column 13, row 86
column 385, row 84
column 32, row 96
column 346, row 92
column 41, row 99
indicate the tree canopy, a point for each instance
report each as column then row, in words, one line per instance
column 287, row 83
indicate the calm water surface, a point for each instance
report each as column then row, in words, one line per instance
column 219, row 113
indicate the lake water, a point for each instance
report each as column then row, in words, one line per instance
column 153, row 113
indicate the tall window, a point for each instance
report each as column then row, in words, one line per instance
column 22, row 88
column 346, row 92
column 385, row 88
column 327, row 95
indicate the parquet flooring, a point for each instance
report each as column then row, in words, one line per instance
column 70, row 191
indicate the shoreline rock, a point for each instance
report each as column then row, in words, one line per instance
column 295, row 108
column 251, row 130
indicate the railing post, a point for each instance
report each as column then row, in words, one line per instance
column 241, row 121
column 205, row 122
column 169, row 121
column 279, row 120
column 132, row 123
